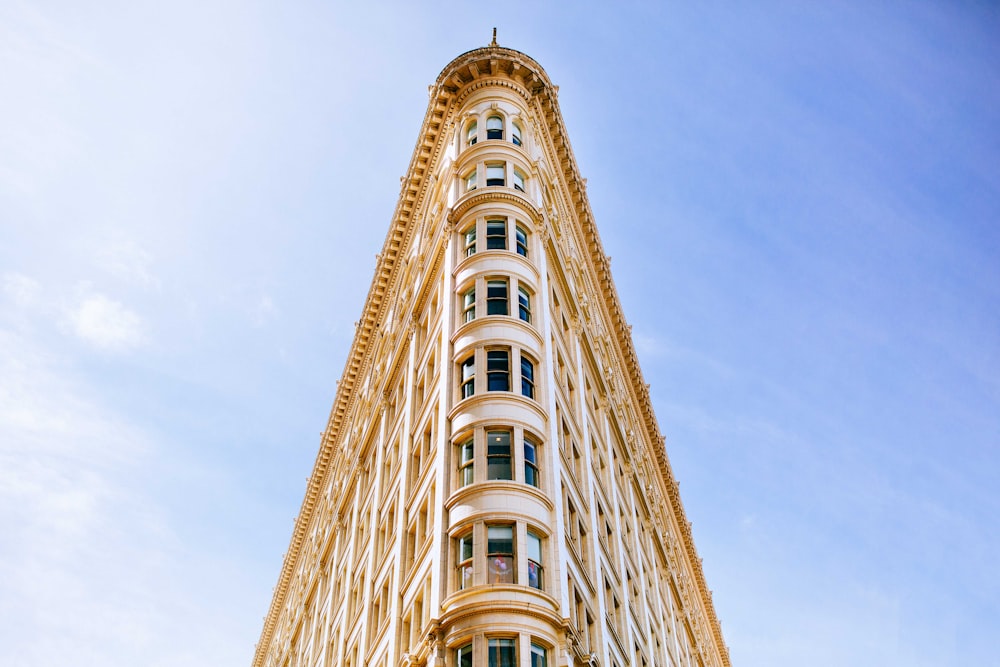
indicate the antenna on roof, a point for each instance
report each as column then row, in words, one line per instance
column 494, row 42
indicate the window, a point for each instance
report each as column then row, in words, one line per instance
column 469, row 305
column 470, row 180
column 470, row 133
column 530, row 462
column 469, row 377
column 498, row 455
column 466, row 465
column 496, row 297
column 494, row 127
column 464, row 553
column 527, row 377
column 496, row 234
column 500, row 558
column 463, row 657
column 497, row 370
column 534, row 562
column 470, row 241
column 538, row 656
column 518, row 181
column 515, row 134
column 495, row 175
column 521, row 237
column 523, row 304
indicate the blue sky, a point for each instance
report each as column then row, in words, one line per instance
column 801, row 204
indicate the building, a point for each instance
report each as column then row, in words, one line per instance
column 492, row 486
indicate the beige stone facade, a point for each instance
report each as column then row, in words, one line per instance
column 492, row 486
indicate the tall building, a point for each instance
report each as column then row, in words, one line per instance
column 492, row 486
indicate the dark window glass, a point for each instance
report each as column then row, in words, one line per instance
column 498, row 455
column 496, row 297
column 527, row 378
column 502, row 653
column 538, row 658
column 496, row 234
column 469, row 377
column 465, row 656
column 494, row 127
column 498, row 370
column 522, row 241
column 530, row 463
column 523, row 304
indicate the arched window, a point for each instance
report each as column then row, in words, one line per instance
column 471, row 133
column 495, row 175
column 515, row 133
column 494, row 127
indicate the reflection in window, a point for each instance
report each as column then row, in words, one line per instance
column 534, row 560
column 469, row 305
column 470, row 133
column 466, row 469
column 465, row 561
column 521, row 237
column 463, row 657
column 538, row 658
column 500, row 556
column 515, row 134
column 518, row 180
column 527, row 377
column 470, row 241
column 469, row 377
column 523, row 304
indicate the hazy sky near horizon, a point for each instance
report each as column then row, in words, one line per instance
column 801, row 204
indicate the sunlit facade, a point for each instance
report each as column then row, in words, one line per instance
column 492, row 486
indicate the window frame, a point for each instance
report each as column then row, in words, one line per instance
column 464, row 566
column 532, row 463
column 469, row 237
column 467, row 465
column 467, row 376
column 497, row 303
column 469, row 305
column 519, row 179
column 494, row 133
column 491, row 174
column 472, row 132
column 471, row 180
column 500, row 459
column 491, row 234
column 521, row 241
column 495, row 373
column 538, row 563
column 505, row 571
column 523, row 304
column 527, row 378
column 515, row 133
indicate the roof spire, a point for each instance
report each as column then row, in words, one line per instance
column 494, row 42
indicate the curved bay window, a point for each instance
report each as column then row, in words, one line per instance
column 500, row 554
column 471, row 133
column 505, row 453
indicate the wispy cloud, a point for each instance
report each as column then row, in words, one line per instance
column 106, row 323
